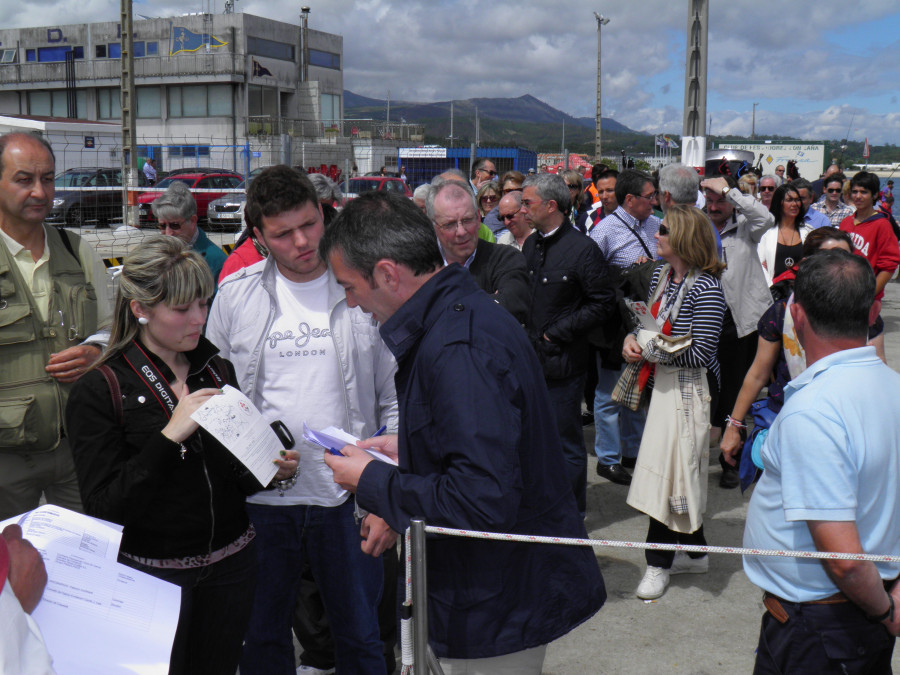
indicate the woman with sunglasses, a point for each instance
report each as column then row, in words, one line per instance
column 143, row 463
column 670, row 478
column 579, row 210
column 488, row 198
column 512, row 181
column 782, row 246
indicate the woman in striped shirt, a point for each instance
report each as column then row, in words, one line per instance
column 670, row 478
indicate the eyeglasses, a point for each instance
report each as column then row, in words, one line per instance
column 663, row 230
column 647, row 197
column 831, row 191
column 528, row 203
column 506, row 191
column 793, row 200
column 488, row 172
column 172, row 225
column 510, row 216
column 453, row 225
column 490, row 198
column 573, row 187
column 779, row 171
column 767, row 188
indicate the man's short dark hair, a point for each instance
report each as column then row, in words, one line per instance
column 631, row 182
column 835, row 178
column 802, row 184
column 605, row 173
column 479, row 165
column 6, row 139
column 382, row 225
column 836, row 290
column 867, row 181
column 277, row 190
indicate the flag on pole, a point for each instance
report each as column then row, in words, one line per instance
column 866, row 149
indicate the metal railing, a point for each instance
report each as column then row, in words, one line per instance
column 268, row 125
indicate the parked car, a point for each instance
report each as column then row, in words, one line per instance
column 357, row 186
column 195, row 181
column 74, row 208
column 226, row 213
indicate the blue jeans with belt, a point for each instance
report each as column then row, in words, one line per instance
column 349, row 581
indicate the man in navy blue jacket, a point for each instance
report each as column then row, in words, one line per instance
column 475, row 448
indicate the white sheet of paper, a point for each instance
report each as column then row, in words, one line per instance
column 237, row 424
column 332, row 437
column 641, row 312
column 96, row 615
column 75, row 533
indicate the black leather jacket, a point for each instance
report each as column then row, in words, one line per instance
column 571, row 293
column 133, row 475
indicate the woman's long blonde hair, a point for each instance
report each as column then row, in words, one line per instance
column 161, row 269
column 691, row 238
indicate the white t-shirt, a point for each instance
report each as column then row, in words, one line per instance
column 300, row 380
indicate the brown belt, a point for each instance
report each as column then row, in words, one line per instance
column 775, row 608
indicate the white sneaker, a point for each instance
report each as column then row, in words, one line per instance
column 685, row 564
column 653, row 584
column 309, row 670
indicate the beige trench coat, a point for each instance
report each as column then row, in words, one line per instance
column 674, row 457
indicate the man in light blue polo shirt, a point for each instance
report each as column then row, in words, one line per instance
column 832, row 467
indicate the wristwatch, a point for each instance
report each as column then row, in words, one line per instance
column 889, row 614
column 725, row 190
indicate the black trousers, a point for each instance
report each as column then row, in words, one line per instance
column 658, row 533
column 823, row 639
column 735, row 355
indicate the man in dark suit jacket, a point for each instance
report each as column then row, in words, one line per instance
column 498, row 270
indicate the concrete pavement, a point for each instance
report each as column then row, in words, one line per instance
column 705, row 623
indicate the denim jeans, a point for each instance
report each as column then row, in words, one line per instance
column 565, row 397
column 617, row 429
column 349, row 581
column 215, row 608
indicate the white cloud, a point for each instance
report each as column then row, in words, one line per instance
column 760, row 50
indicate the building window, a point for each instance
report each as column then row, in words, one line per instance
column 114, row 50
column 149, row 101
column 262, row 101
column 54, row 104
column 200, row 100
column 323, row 59
column 52, row 54
column 9, row 55
column 331, row 108
column 109, row 104
column 270, row 48
column 188, row 151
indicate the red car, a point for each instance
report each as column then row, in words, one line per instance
column 195, row 181
column 375, row 184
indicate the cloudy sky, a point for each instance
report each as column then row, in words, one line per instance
column 823, row 69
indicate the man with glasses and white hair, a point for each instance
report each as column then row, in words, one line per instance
column 176, row 214
column 498, row 270
column 767, row 185
column 570, row 296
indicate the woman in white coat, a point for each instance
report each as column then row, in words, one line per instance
column 669, row 481
column 782, row 246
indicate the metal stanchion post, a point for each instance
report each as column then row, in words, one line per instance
column 420, row 596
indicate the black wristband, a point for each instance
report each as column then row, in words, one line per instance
column 889, row 614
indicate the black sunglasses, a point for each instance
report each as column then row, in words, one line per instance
column 767, row 188
column 663, row 230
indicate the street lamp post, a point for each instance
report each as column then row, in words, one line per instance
column 753, row 127
column 601, row 21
